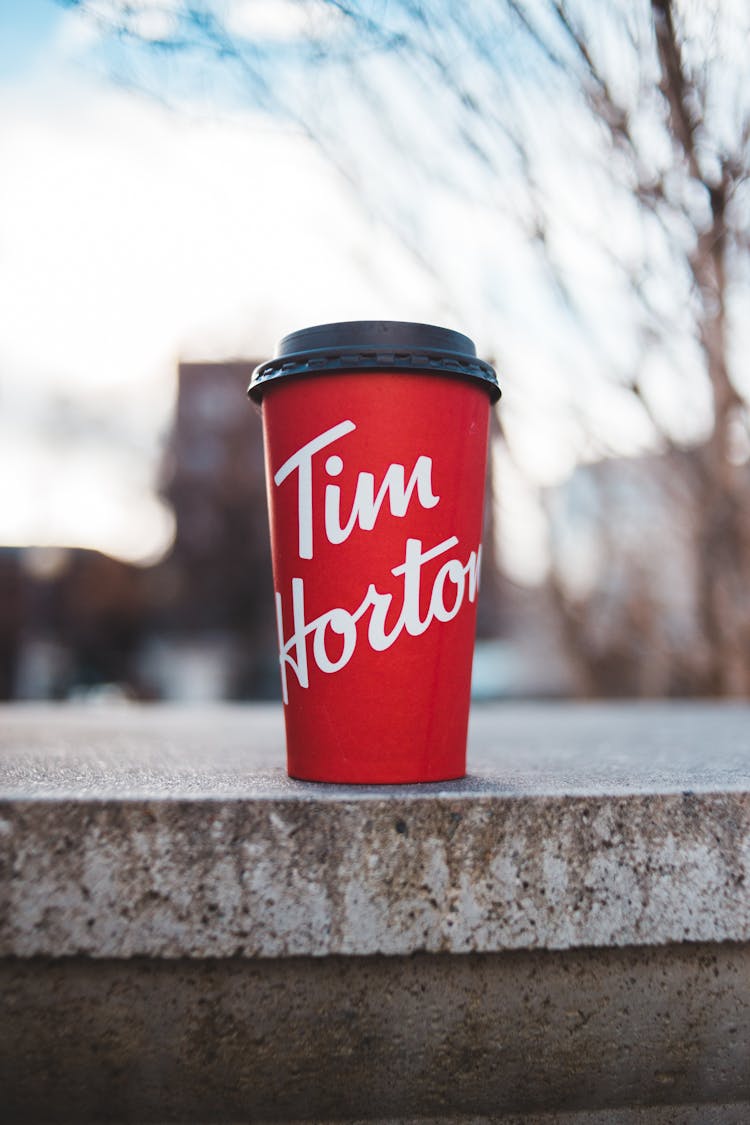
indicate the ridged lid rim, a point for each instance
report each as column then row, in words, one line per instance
column 374, row 346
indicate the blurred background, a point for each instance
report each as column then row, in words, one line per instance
column 184, row 181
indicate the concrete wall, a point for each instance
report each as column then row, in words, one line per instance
column 186, row 935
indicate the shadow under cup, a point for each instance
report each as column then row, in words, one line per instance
column 375, row 438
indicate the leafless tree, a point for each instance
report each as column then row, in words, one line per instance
column 620, row 128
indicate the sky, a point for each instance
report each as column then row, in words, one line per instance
column 132, row 236
column 135, row 233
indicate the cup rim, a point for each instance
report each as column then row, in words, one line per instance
column 362, row 346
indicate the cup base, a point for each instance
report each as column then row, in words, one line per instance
column 407, row 779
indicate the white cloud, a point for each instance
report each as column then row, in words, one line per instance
column 279, row 19
column 131, row 236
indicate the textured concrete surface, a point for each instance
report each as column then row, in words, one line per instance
column 234, row 751
column 737, row 1113
column 147, row 832
column 189, row 936
column 357, row 1038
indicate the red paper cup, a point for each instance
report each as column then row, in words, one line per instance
column 375, row 439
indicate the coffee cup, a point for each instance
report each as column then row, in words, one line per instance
column 375, row 436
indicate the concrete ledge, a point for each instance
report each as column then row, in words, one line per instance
column 163, row 833
column 186, row 935
column 430, row 1037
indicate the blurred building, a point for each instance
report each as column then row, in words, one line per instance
column 200, row 624
column 73, row 619
column 11, row 619
column 212, row 629
column 629, row 558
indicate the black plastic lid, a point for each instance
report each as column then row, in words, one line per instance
column 374, row 345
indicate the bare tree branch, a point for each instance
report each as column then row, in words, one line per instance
column 496, row 94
